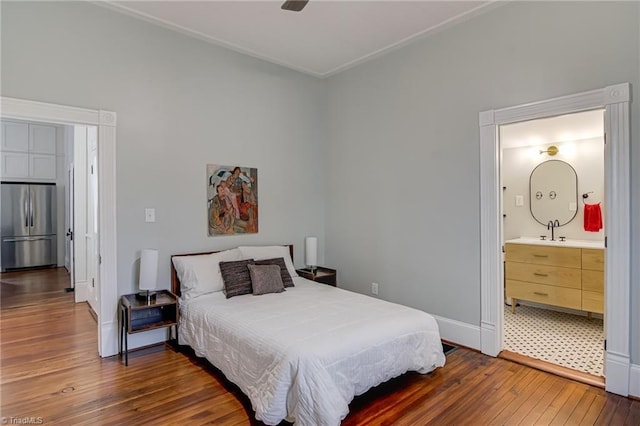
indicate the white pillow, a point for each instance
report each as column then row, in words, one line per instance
column 200, row 274
column 269, row 252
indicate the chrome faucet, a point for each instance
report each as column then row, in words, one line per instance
column 552, row 225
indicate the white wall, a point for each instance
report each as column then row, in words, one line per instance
column 403, row 195
column 181, row 103
column 587, row 159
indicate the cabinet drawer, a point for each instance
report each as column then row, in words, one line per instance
column 593, row 259
column 592, row 301
column 542, row 293
column 544, row 274
column 542, row 255
column 593, row 281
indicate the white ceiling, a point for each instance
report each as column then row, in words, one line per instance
column 563, row 128
column 327, row 37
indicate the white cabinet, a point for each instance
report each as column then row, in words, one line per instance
column 15, row 165
column 15, row 137
column 42, row 139
column 28, row 151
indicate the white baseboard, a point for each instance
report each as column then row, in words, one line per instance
column 81, row 291
column 634, row 380
column 459, row 332
column 618, row 373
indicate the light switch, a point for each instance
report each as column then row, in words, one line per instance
column 149, row 215
column 519, row 201
column 573, row 207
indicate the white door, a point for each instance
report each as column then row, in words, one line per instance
column 69, row 243
column 92, row 219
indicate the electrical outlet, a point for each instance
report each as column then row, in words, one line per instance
column 374, row 288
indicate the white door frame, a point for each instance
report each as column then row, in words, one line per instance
column 615, row 100
column 106, row 122
column 70, row 228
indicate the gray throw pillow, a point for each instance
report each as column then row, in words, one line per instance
column 284, row 272
column 236, row 278
column 265, row 279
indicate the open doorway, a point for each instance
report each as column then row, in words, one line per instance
column 553, row 240
column 45, row 204
column 106, row 268
column 615, row 102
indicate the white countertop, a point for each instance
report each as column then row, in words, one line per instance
column 590, row 244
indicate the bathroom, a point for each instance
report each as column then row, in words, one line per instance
column 553, row 238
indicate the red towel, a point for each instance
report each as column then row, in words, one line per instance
column 592, row 217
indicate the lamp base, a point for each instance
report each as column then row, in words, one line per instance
column 147, row 296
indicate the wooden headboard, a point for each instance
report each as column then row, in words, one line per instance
column 175, row 282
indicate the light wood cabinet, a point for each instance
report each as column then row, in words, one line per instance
column 560, row 276
column 28, row 151
column 593, row 280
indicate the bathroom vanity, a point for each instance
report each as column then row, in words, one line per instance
column 568, row 274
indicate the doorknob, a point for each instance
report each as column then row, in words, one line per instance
column 70, row 234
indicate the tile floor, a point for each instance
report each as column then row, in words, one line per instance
column 568, row 340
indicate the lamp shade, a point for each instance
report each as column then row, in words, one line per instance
column 148, row 269
column 311, row 251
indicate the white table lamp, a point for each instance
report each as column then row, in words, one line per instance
column 148, row 273
column 311, row 252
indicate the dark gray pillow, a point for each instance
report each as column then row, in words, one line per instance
column 265, row 279
column 284, row 272
column 236, row 278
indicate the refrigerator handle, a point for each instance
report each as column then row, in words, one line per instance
column 30, row 208
column 26, row 212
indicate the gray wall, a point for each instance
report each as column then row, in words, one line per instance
column 403, row 193
column 384, row 156
column 181, row 104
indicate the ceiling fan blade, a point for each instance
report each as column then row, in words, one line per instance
column 294, row 5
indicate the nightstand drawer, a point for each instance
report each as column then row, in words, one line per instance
column 320, row 275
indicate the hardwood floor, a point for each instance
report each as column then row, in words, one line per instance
column 50, row 369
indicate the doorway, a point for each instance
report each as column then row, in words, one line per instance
column 105, row 122
column 615, row 101
column 552, row 172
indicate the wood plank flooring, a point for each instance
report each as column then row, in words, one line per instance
column 50, row 369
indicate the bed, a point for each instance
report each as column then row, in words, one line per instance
column 302, row 354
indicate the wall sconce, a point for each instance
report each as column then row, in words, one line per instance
column 552, row 150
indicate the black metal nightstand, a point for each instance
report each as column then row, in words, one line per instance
column 137, row 316
column 320, row 274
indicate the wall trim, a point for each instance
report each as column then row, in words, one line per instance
column 459, row 332
column 81, row 291
column 615, row 100
column 634, row 380
column 23, row 109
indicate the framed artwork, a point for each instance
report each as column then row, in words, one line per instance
column 232, row 200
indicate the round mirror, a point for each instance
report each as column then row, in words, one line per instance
column 553, row 192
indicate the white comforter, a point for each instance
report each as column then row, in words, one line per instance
column 305, row 353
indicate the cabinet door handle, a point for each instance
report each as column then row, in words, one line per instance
column 540, row 255
column 539, row 293
column 538, row 274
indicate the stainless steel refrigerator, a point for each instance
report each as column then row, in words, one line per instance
column 28, row 226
